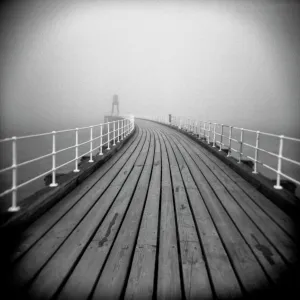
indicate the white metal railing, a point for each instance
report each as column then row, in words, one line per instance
column 116, row 130
column 210, row 131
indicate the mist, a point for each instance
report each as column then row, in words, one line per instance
column 227, row 61
column 232, row 62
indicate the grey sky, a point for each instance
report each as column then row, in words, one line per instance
column 235, row 62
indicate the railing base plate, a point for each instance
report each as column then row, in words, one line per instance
column 14, row 209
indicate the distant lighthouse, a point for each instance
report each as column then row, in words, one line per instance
column 115, row 102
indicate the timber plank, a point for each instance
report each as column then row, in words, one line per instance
column 102, row 241
column 37, row 229
column 26, row 268
column 52, row 275
column 262, row 248
column 223, row 277
column 275, row 234
column 195, row 277
column 273, row 211
column 168, row 282
column 113, row 276
column 245, row 264
column 140, row 284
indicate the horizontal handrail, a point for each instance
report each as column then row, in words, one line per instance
column 50, row 133
column 210, row 130
column 117, row 130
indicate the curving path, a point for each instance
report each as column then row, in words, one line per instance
column 163, row 218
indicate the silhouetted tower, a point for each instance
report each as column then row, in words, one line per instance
column 115, row 102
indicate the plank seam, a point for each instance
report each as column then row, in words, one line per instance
column 176, row 226
column 91, row 294
column 30, row 282
column 239, row 205
column 244, row 190
column 234, row 224
column 140, row 221
column 20, row 257
column 217, row 229
column 196, row 227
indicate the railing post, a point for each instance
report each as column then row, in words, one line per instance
column 278, row 186
column 256, row 153
column 14, row 206
column 221, row 138
column 230, row 136
column 108, row 140
column 208, row 132
column 122, row 129
column 101, row 153
column 200, row 132
column 129, row 126
column 124, row 124
column 76, row 150
column 118, row 131
column 200, row 129
column 91, row 145
column 133, row 123
column 54, row 183
column 214, row 140
column 114, row 122
column 125, row 128
column 241, row 145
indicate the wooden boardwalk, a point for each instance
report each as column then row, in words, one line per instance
column 164, row 219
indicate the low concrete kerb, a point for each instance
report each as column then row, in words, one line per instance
column 38, row 203
column 284, row 199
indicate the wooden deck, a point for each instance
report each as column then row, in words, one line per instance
column 162, row 219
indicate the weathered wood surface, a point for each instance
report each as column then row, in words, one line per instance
column 163, row 218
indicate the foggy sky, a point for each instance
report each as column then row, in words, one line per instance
column 235, row 62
